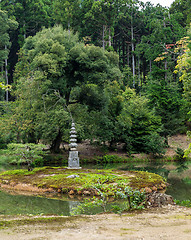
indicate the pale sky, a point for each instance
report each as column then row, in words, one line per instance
column 164, row 3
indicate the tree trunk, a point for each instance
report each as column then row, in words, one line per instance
column 123, row 52
column 6, row 76
column 55, row 146
column 2, row 70
column 67, row 96
column 69, row 27
column 24, row 31
column 139, row 71
column 133, row 55
column 112, row 144
column 150, row 65
column 128, row 54
column 31, row 138
column 103, row 37
column 166, row 140
column 109, row 37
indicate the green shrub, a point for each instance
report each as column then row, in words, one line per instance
column 185, row 203
column 23, row 153
column 135, row 200
column 180, row 155
column 112, row 159
column 109, row 159
column 154, row 144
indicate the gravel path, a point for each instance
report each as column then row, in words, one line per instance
column 166, row 223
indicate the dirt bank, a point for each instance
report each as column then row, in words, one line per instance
column 167, row 223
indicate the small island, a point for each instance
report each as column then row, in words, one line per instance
column 82, row 182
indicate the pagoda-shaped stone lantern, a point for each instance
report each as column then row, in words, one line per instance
column 73, row 160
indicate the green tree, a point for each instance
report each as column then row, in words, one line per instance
column 55, row 71
column 161, row 33
column 142, row 134
column 183, row 65
column 169, row 104
column 6, row 25
column 182, row 9
column 103, row 16
column 31, row 17
column 67, row 13
column 183, row 70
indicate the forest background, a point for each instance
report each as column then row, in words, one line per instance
column 119, row 69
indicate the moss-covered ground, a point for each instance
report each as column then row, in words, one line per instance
column 81, row 181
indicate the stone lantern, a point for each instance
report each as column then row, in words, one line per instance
column 73, row 160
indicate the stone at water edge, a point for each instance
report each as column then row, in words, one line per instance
column 72, row 176
column 156, row 199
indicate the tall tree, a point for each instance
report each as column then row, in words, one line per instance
column 52, row 65
column 6, row 25
column 183, row 70
column 102, row 15
column 67, row 13
column 31, row 17
column 128, row 31
column 161, row 33
column 182, row 8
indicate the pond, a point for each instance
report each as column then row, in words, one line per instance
column 178, row 175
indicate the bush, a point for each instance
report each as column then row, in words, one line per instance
column 109, row 159
column 185, row 203
column 22, row 153
column 154, row 144
column 180, row 155
column 112, row 159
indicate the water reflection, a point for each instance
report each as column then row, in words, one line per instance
column 181, row 165
column 154, row 167
column 20, row 204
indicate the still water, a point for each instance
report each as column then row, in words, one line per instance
column 11, row 204
column 178, row 175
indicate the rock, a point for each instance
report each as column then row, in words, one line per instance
column 71, row 192
column 158, row 199
column 163, row 185
column 12, row 183
column 59, row 190
column 72, row 176
column 86, row 193
column 154, row 189
column 50, row 190
column 5, row 181
column 148, row 190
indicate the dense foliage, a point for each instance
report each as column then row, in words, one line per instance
column 111, row 66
